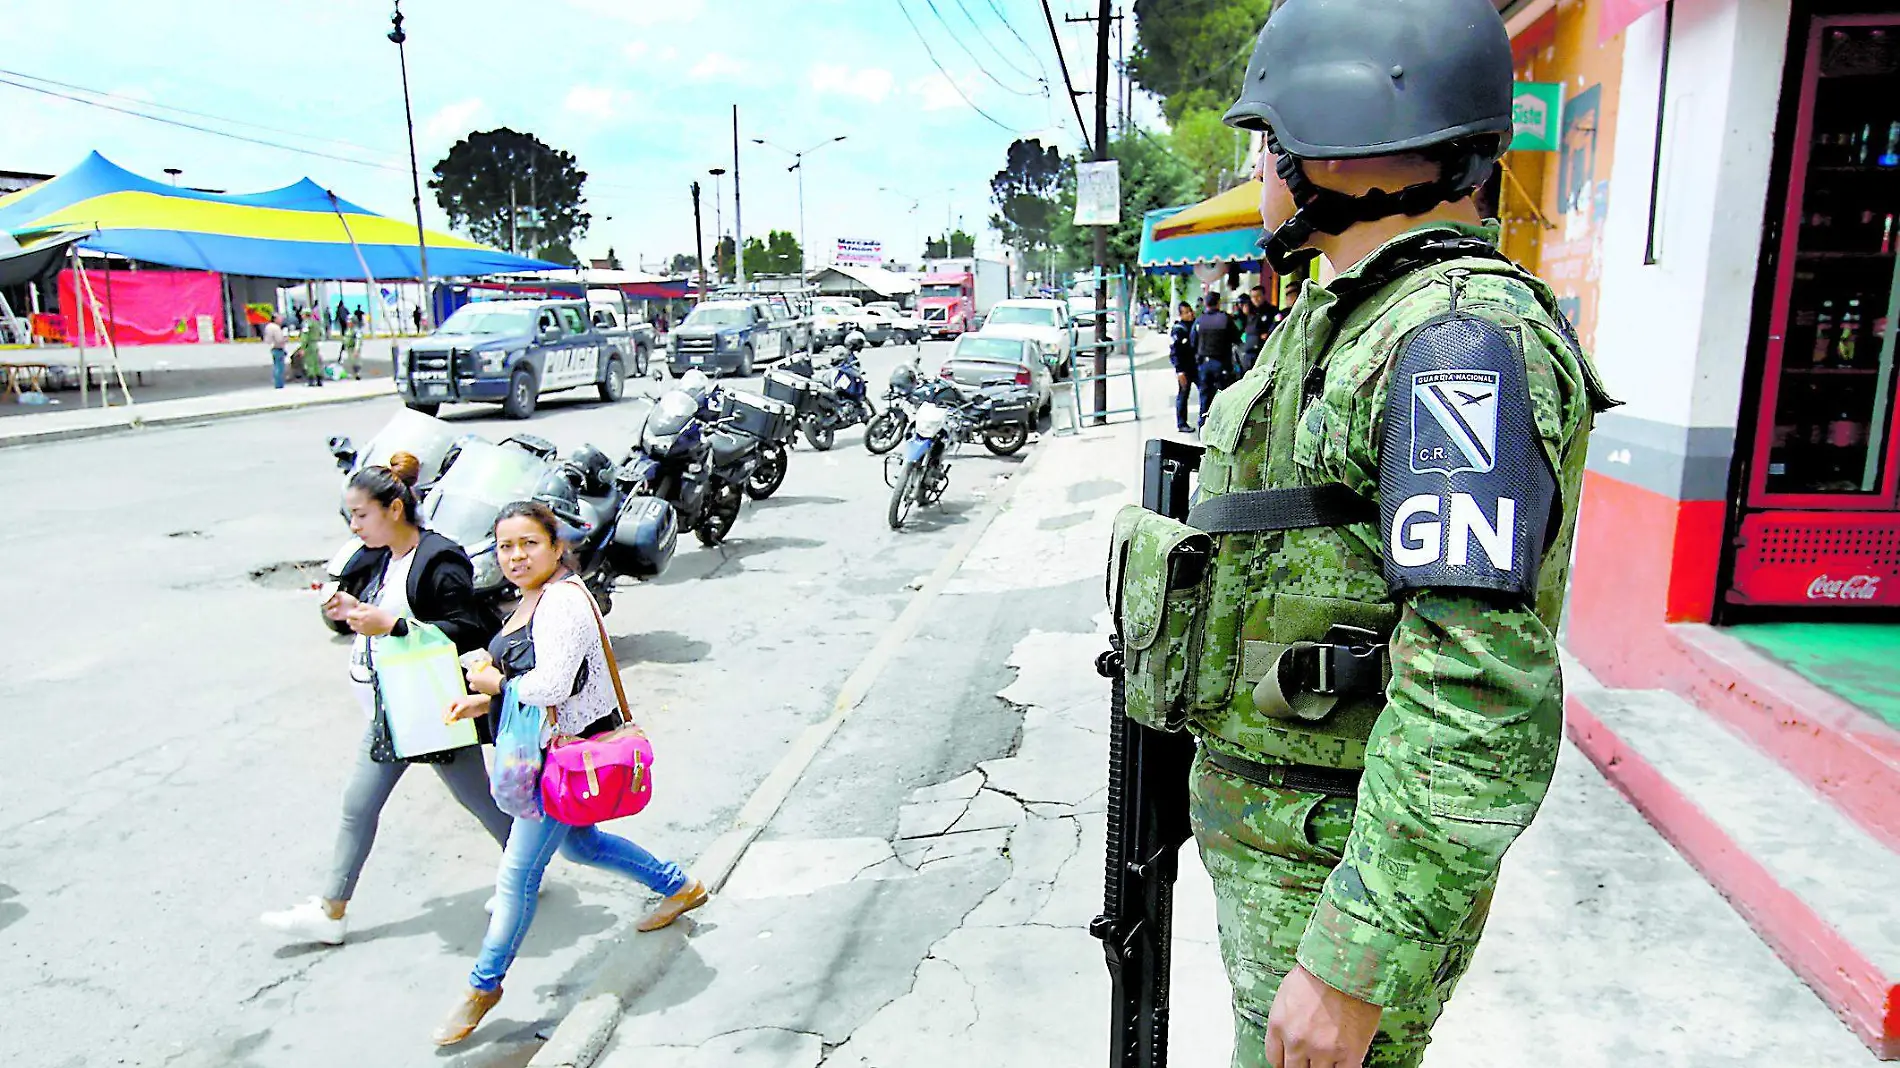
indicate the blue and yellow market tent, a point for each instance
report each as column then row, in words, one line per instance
column 299, row 231
column 1180, row 255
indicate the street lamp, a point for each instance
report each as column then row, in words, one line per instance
column 174, row 172
column 397, row 37
column 914, row 205
column 798, row 164
column 719, row 223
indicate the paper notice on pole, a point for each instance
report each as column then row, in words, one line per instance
column 1098, row 193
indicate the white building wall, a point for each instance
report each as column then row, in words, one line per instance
column 1671, row 336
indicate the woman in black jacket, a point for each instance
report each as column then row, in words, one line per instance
column 403, row 573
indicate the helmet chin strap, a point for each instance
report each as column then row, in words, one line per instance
column 1322, row 210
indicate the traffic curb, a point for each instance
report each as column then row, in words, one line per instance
column 584, row 1032
column 135, row 420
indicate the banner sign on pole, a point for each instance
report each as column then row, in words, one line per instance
column 1537, row 114
column 1098, row 193
column 861, row 252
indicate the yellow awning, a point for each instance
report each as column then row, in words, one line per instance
column 1236, row 209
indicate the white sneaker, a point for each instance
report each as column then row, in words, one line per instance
column 308, row 922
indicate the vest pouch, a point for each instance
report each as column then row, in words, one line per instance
column 1158, row 597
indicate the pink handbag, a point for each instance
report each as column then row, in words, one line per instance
column 585, row 781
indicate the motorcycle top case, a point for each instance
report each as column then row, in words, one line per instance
column 796, row 390
column 1010, row 404
column 761, row 417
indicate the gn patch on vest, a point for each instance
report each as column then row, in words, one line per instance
column 1465, row 487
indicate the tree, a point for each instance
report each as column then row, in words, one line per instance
column 1023, row 193
column 1193, row 53
column 559, row 252
column 955, row 243
column 724, row 266
column 498, row 184
column 1211, row 148
column 777, row 254
column 682, row 263
column 1151, row 177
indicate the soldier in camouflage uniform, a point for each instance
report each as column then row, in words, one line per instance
column 1375, row 686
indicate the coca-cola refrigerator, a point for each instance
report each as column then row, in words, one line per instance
column 1819, row 518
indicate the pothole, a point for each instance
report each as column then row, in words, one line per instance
column 292, row 575
column 187, row 534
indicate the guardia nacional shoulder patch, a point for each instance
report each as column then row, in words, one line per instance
column 1454, row 421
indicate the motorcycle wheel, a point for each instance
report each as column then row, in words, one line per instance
column 904, row 495
column 882, row 433
column 1007, row 439
column 721, row 512
column 769, row 475
column 820, row 435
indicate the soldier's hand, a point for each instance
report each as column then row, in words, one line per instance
column 1311, row 1025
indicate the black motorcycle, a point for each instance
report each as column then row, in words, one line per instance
column 704, row 456
column 836, row 399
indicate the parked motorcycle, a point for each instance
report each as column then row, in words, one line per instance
column 842, row 401
column 1001, row 421
column 704, row 453
column 920, row 472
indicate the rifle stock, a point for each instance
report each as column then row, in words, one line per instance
column 1147, row 824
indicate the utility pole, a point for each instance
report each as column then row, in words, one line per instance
column 1102, row 17
column 738, row 229
column 397, row 37
column 699, row 243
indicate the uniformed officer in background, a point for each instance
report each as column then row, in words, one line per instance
column 1377, row 694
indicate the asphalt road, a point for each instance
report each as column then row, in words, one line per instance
column 178, row 731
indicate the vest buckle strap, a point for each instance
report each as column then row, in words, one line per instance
column 1306, row 680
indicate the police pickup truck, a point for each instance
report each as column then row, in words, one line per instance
column 512, row 353
column 730, row 336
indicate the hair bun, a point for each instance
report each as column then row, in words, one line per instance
column 405, row 467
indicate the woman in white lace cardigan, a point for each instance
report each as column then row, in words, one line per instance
column 551, row 651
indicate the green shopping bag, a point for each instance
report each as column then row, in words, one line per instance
column 417, row 676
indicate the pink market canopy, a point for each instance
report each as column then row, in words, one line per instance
column 299, row 231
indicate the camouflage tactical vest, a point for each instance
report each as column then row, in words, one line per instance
column 1309, row 414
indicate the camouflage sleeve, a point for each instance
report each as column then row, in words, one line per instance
column 1456, row 766
column 1457, row 763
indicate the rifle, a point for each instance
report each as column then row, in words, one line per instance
column 1147, row 823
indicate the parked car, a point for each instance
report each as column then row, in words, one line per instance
column 905, row 322
column 728, row 336
column 881, row 325
column 977, row 360
column 829, row 316
column 633, row 337
column 510, row 352
column 1045, row 322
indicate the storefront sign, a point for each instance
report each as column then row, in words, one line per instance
column 859, row 251
column 1537, row 114
column 1098, row 193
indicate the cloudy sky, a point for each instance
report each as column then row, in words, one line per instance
column 640, row 90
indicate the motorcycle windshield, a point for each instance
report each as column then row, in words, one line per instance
column 671, row 414
column 425, row 437
column 484, row 479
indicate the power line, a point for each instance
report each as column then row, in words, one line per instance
column 961, row 6
column 198, row 128
column 1011, row 27
column 954, row 36
column 1056, row 38
column 187, row 111
column 921, row 39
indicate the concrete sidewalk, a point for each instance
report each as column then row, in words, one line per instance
column 42, row 427
column 957, row 934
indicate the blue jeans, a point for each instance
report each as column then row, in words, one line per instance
column 277, row 368
column 531, row 844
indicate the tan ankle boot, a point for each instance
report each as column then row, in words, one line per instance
column 690, row 897
column 467, row 1016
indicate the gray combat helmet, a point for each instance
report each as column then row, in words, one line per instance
column 1342, row 79
column 1348, row 79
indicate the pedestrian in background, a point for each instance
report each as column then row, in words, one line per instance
column 278, row 342
column 1186, row 367
column 417, row 317
column 1215, row 336
column 550, row 650
column 402, row 574
column 361, row 319
column 309, row 349
column 352, row 356
column 1256, row 327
